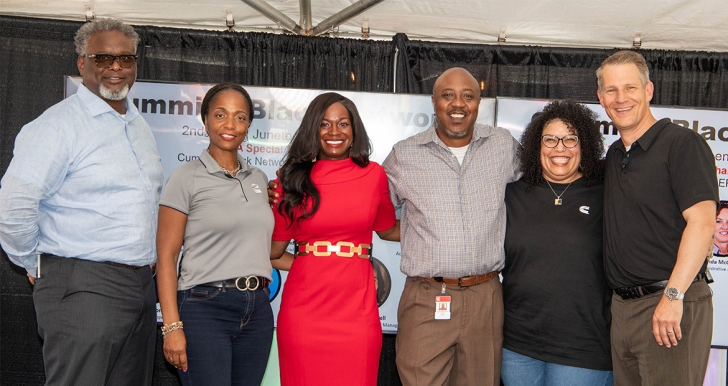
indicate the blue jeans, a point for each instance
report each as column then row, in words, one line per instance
column 521, row 370
column 229, row 334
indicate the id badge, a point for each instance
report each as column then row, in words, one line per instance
column 443, row 300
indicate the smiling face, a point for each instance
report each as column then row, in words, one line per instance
column 456, row 98
column 335, row 133
column 227, row 121
column 110, row 83
column 625, row 99
column 560, row 164
column 721, row 227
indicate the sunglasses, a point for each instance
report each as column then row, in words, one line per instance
column 106, row 61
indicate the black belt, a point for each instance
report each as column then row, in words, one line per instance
column 242, row 283
column 639, row 291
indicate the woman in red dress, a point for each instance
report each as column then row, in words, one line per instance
column 332, row 199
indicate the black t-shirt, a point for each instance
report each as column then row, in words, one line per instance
column 555, row 294
column 669, row 169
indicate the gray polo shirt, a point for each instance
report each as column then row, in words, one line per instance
column 229, row 222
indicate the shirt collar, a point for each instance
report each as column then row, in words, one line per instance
column 430, row 135
column 212, row 167
column 647, row 138
column 98, row 106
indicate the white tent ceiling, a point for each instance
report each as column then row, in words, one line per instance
column 661, row 24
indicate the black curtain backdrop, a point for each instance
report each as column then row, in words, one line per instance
column 35, row 54
column 681, row 78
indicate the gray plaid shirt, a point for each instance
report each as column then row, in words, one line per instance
column 453, row 216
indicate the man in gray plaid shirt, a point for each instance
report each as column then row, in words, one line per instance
column 449, row 182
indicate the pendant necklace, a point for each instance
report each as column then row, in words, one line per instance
column 557, row 200
column 234, row 172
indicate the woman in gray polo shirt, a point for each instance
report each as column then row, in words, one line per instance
column 218, row 323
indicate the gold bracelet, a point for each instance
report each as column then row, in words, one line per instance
column 171, row 327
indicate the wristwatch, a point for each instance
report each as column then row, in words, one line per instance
column 673, row 293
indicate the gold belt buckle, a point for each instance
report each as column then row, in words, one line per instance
column 335, row 248
column 315, row 250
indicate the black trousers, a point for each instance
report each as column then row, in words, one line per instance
column 97, row 322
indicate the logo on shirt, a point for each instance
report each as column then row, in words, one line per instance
column 584, row 209
column 256, row 188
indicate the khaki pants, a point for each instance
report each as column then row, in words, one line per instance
column 465, row 350
column 639, row 360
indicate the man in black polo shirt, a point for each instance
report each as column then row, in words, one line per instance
column 659, row 211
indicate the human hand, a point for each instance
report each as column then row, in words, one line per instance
column 272, row 194
column 31, row 279
column 272, row 186
column 666, row 322
column 175, row 349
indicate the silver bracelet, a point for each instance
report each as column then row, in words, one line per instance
column 172, row 327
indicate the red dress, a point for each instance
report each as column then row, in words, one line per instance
column 328, row 330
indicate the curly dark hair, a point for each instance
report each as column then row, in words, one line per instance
column 301, row 198
column 578, row 118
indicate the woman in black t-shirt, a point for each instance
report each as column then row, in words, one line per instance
column 556, row 298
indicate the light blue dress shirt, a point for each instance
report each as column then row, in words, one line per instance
column 84, row 182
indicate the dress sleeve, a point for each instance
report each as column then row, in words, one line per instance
column 281, row 230
column 385, row 213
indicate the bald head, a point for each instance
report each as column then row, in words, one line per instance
column 456, row 72
column 456, row 98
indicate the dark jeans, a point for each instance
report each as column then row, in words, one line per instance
column 229, row 334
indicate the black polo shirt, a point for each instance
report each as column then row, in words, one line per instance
column 669, row 169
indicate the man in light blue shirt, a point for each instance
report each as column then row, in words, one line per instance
column 78, row 210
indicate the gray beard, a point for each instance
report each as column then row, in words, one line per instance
column 450, row 134
column 114, row 95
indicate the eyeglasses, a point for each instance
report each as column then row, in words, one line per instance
column 106, row 61
column 551, row 141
